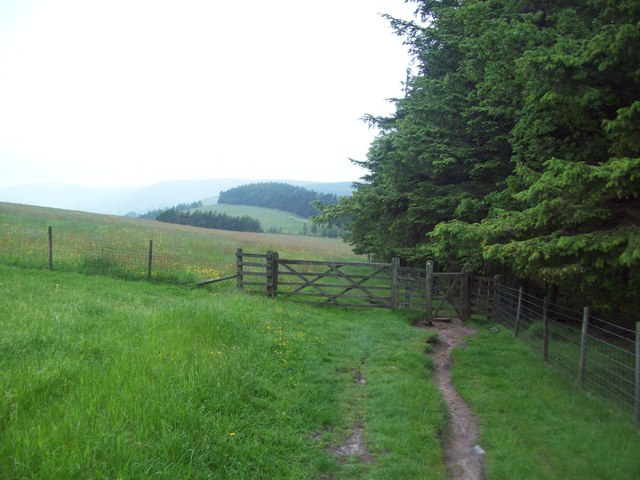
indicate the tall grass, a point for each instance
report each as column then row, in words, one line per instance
column 102, row 378
column 118, row 246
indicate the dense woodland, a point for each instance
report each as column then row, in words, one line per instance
column 217, row 220
column 516, row 148
column 181, row 207
column 281, row 196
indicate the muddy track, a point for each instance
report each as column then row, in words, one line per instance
column 463, row 456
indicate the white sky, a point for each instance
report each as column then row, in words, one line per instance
column 134, row 92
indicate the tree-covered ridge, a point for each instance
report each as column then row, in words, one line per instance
column 281, row 196
column 181, row 207
column 516, row 147
column 220, row 221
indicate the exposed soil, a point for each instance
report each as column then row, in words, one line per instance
column 463, row 455
column 354, row 446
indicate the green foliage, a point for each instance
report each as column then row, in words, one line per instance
column 516, row 148
column 181, row 207
column 281, row 196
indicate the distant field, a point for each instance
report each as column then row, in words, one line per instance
column 283, row 222
column 94, row 243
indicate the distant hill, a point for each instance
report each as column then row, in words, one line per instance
column 282, row 196
column 275, row 221
column 123, row 200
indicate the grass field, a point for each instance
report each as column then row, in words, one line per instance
column 280, row 221
column 92, row 243
column 104, row 378
column 108, row 378
column 534, row 423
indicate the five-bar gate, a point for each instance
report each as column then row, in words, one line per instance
column 361, row 284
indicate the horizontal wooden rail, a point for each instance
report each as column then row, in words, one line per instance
column 333, row 264
column 332, row 285
column 252, row 264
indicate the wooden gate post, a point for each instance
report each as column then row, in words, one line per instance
column 275, row 270
column 466, row 297
column 239, row 279
column 272, row 273
column 429, row 290
column 395, row 264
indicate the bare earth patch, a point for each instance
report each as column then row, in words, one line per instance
column 354, row 446
column 463, row 456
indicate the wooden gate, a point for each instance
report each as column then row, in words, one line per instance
column 346, row 284
column 359, row 284
column 447, row 294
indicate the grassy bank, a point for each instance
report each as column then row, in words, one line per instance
column 535, row 424
column 103, row 378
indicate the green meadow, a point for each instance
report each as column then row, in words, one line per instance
column 105, row 378
column 118, row 246
column 270, row 219
column 108, row 376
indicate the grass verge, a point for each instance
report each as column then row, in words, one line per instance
column 534, row 424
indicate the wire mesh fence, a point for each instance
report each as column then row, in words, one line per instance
column 599, row 355
column 98, row 253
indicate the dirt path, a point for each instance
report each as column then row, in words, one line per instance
column 463, row 456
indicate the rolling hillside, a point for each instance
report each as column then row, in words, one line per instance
column 270, row 219
column 181, row 254
column 123, row 200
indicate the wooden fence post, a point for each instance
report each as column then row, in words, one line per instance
column 239, row 278
column 395, row 263
column 545, row 330
column 50, row 248
column 516, row 330
column 496, row 298
column 150, row 262
column 584, row 337
column 638, row 373
column 429, row 290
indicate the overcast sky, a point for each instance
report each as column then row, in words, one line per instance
column 134, row 92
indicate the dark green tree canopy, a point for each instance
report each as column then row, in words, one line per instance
column 281, row 196
column 516, row 147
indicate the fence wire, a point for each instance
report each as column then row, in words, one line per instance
column 609, row 351
column 96, row 253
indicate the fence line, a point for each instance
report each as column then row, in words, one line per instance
column 601, row 357
column 98, row 254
